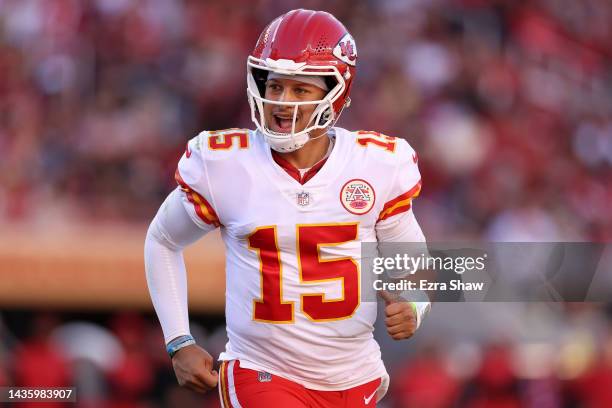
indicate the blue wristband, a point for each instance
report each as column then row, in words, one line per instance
column 178, row 343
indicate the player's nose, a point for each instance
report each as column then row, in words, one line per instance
column 287, row 95
column 283, row 109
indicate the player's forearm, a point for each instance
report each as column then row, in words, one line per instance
column 405, row 229
column 167, row 283
column 170, row 231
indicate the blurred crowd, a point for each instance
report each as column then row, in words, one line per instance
column 509, row 104
column 116, row 360
column 112, row 360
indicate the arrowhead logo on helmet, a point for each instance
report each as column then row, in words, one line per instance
column 346, row 50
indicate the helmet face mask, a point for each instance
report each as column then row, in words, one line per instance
column 326, row 50
column 322, row 117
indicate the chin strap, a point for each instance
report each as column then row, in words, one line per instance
column 310, row 138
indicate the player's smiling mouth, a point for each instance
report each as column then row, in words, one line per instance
column 284, row 122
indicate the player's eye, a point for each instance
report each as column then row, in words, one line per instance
column 274, row 87
column 301, row 91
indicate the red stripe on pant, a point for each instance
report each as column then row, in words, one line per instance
column 223, row 388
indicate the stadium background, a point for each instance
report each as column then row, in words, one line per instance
column 509, row 104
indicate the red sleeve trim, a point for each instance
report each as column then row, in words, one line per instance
column 401, row 203
column 202, row 207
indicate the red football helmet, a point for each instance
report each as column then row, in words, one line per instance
column 302, row 42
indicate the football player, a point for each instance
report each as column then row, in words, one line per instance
column 294, row 200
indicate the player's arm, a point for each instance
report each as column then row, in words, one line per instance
column 397, row 223
column 403, row 318
column 172, row 230
column 177, row 225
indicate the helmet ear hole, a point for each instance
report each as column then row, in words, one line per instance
column 324, row 117
column 260, row 76
column 330, row 81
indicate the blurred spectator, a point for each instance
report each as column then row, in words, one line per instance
column 37, row 362
column 425, row 382
column 133, row 378
column 594, row 386
column 495, row 385
column 93, row 351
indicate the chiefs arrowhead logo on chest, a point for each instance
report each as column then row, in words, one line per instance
column 357, row 196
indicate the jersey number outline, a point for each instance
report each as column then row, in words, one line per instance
column 224, row 139
column 365, row 137
column 270, row 307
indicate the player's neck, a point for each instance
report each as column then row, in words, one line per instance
column 309, row 154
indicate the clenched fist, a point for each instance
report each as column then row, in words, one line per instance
column 401, row 319
column 193, row 367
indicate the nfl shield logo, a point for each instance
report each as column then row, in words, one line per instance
column 303, row 198
column 262, row 376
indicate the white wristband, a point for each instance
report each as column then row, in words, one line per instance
column 420, row 310
column 420, row 304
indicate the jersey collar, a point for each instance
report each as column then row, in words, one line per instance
column 319, row 175
column 294, row 172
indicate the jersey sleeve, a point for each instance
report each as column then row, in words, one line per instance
column 170, row 231
column 192, row 178
column 396, row 221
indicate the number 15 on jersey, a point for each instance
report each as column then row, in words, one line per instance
column 271, row 308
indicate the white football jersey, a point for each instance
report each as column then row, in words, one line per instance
column 294, row 296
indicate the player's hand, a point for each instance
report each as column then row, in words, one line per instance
column 400, row 317
column 193, row 367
